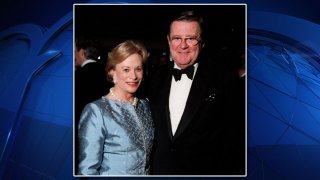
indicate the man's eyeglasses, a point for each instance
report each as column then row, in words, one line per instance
column 191, row 41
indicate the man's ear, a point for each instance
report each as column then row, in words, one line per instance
column 82, row 53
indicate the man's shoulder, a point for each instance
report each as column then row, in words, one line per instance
column 215, row 70
column 217, row 62
column 93, row 67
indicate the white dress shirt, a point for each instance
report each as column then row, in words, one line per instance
column 87, row 62
column 179, row 93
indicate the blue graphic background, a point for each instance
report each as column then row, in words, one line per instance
column 36, row 91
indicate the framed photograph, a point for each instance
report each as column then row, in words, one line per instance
column 195, row 129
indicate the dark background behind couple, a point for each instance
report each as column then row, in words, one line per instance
column 36, row 123
column 224, row 30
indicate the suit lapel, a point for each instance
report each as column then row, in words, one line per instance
column 164, row 98
column 167, row 111
column 196, row 96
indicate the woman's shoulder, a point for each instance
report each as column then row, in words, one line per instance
column 97, row 105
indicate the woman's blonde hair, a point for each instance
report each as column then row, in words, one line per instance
column 122, row 51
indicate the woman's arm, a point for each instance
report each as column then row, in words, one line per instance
column 91, row 140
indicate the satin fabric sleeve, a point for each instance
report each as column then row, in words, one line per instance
column 91, row 140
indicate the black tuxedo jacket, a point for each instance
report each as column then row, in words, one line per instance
column 210, row 139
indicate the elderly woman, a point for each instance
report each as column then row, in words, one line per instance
column 116, row 131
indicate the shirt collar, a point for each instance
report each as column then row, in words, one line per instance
column 87, row 62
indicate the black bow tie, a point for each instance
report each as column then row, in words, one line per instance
column 178, row 72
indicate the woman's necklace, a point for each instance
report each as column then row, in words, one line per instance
column 134, row 102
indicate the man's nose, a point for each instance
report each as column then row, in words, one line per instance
column 184, row 43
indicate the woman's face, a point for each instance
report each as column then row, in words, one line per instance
column 128, row 74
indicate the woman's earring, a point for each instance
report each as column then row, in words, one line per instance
column 114, row 80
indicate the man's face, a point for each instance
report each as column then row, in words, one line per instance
column 185, row 42
column 78, row 56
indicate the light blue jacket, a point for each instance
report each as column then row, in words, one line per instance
column 115, row 138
